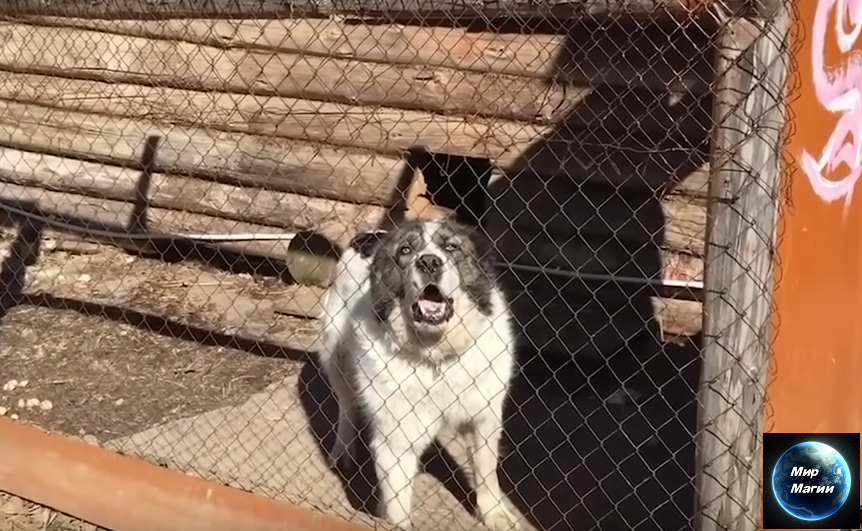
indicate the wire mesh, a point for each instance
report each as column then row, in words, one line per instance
column 180, row 179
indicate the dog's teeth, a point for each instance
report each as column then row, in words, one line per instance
column 432, row 308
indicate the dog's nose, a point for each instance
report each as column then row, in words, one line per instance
column 429, row 263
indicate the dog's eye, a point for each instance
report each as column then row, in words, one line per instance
column 449, row 247
column 404, row 249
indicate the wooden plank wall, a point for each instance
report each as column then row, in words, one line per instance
column 390, row 10
column 272, row 125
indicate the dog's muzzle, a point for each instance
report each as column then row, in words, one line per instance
column 430, row 267
column 432, row 307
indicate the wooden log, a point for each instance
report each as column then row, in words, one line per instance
column 323, row 220
column 299, row 301
column 247, row 160
column 315, row 219
column 235, row 158
column 262, row 207
column 389, row 10
column 694, row 185
column 596, row 52
column 685, row 227
column 678, row 317
column 559, row 208
column 106, row 221
column 743, row 205
column 121, row 58
column 684, row 223
column 379, row 129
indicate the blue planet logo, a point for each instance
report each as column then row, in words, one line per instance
column 811, row 481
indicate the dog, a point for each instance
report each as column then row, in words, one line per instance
column 418, row 336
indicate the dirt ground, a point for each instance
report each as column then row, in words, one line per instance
column 105, row 345
column 91, row 353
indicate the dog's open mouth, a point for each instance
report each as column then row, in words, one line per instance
column 432, row 307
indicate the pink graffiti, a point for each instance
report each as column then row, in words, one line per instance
column 839, row 90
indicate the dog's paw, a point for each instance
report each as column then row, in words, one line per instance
column 501, row 519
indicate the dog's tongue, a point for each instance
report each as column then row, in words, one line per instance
column 429, row 307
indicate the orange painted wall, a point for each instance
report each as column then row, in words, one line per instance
column 817, row 380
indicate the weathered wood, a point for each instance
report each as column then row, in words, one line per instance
column 685, row 228
column 594, row 51
column 682, row 267
column 678, row 317
column 694, row 185
column 379, row 129
column 332, row 222
column 561, row 251
column 247, row 160
column 441, row 12
column 231, row 158
column 298, row 301
column 754, row 57
column 68, row 52
column 292, row 212
column 115, row 216
column 555, row 208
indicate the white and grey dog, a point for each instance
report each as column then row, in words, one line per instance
column 418, row 336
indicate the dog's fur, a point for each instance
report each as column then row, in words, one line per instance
column 414, row 363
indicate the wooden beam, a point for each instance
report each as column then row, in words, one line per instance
column 201, row 199
column 69, row 52
column 743, row 205
column 378, row 129
column 596, row 51
column 128, row 494
column 235, row 158
column 181, row 204
column 390, row 10
column 94, row 217
column 299, row 301
column 685, row 225
column 295, row 170
column 694, row 185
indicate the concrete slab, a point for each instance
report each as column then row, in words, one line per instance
column 268, row 445
column 580, row 452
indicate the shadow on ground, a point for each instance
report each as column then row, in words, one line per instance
column 584, row 454
column 25, row 250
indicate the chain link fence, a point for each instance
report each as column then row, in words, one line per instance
column 179, row 179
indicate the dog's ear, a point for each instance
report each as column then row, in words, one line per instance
column 479, row 278
column 386, row 281
column 366, row 243
column 485, row 252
